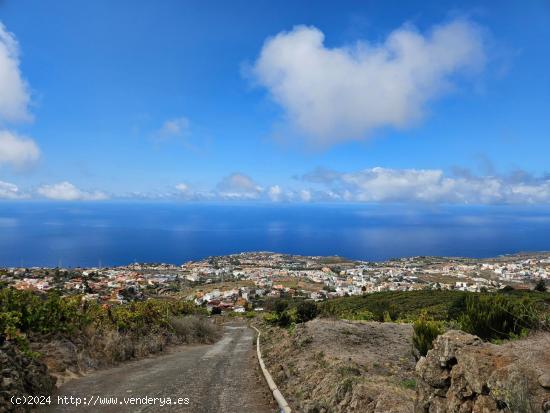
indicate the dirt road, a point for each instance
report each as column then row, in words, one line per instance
column 222, row 377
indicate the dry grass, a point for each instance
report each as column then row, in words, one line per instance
column 195, row 329
column 96, row 348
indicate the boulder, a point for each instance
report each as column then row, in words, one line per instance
column 464, row 374
column 21, row 375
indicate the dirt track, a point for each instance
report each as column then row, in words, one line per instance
column 222, row 377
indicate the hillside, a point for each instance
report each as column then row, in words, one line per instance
column 353, row 366
column 408, row 305
column 341, row 366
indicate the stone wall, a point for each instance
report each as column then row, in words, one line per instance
column 464, row 374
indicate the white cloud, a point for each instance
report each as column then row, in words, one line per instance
column 431, row 186
column 338, row 94
column 14, row 91
column 239, row 186
column 183, row 188
column 17, row 150
column 305, row 195
column 173, row 128
column 275, row 193
column 10, row 191
column 65, row 191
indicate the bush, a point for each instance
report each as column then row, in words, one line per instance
column 400, row 305
column 426, row 331
column 24, row 313
column 280, row 306
column 305, row 311
column 362, row 315
column 540, row 286
column 284, row 319
column 203, row 330
column 498, row 316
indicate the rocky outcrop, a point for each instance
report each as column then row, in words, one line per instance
column 464, row 374
column 21, row 375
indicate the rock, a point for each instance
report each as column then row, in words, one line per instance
column 484, row 404
column 544, row 380
column 21, row 375
column 464, row 374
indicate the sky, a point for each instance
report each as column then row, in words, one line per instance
column 439, row 102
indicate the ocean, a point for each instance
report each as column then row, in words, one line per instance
column 116, row 233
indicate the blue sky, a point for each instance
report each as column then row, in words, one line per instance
column 301, row 101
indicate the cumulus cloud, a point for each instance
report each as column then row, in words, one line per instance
column 337, row 94
column 173, row 128
column 430, row 186
column 14, row 91
column 10, row 191
column 183, row 188
column 185, row 191
column 275, row 193
column 17, row 150
column 65, row 191
column 239, row 186
column 305, row 195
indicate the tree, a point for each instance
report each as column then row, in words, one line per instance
column 540, row 286
column 306, row 310
column 280, row 306
column 284, row 319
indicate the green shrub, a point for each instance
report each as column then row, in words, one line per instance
column 540, row 286
column 361, row 315
column 425, row 332
column 284, row 319
column 497, row 316
column 305, row 311
column 271, row 318
column 25, row 312
column 409, row 384
column 400, row 305
column 280, row 306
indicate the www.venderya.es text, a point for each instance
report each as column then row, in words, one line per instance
column 97, row 400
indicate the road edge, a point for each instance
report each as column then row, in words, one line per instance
column 277, row 395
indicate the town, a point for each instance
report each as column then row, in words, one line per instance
column 241, row 282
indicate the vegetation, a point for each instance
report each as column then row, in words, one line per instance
column 26, row 314
column 492, row 316
column 540, row 286
column 305, row 311
column 409, row 384
column 498, row 316
column 287, row 313
column 425, row 332
column 194, row 328
column 395, row 305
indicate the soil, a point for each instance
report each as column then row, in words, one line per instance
column 329, row 365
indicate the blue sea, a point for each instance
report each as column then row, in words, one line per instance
column 115, row 233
